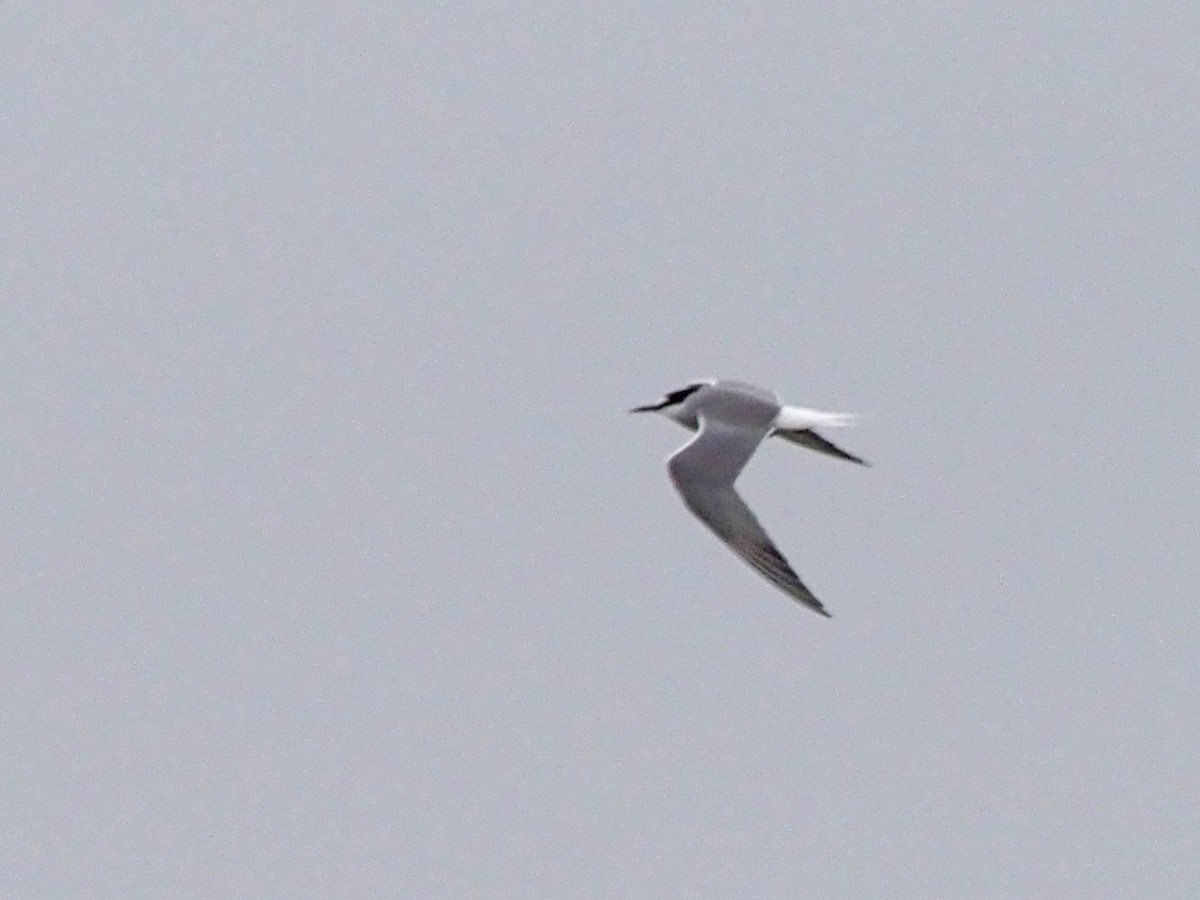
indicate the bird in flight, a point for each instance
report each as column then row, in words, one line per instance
column 731, row 419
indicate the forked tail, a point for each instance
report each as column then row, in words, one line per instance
column 799, row 425
column 796, row 418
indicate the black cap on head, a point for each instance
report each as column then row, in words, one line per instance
column 671, row 399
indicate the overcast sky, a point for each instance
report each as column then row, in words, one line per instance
column 335, row 568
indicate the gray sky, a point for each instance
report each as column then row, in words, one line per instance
column 334, row 566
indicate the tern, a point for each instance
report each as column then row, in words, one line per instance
column 731, row 419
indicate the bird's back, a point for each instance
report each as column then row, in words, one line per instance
column 734, row 403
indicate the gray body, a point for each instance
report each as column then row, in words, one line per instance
column 731, row 419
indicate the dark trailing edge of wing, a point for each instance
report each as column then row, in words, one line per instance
column 776, row 569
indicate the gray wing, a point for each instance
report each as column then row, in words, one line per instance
column 703, row 472
column 806, row 437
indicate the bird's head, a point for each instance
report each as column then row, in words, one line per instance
column 672, row 404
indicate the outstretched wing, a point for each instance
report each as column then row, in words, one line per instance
column 703, row 472
column 806, row 437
